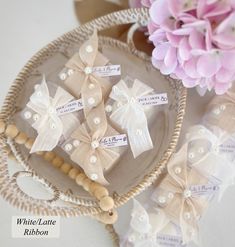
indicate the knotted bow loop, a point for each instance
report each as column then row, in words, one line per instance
column 212, row 161
column 97, row 122
column 82, row 79
column 91, row 156
column 220, row 112
column 48, row 125
column 178, row 201
column 129, row 114
column 144, row 227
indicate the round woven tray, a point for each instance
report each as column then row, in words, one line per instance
column 127, row 178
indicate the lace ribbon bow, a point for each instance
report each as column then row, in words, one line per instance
column 144, row 227
column 49, row 125
column 130, row 114
column 175, row 197
column 82, row 80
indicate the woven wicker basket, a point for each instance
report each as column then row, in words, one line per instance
column 127, row 178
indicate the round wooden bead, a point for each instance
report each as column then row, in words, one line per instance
column 65, row 168
column 11, row 156
column 2, row 127
column 7, row 149
column 40, row 153
column 93, row 187
column 29, row 143
column 21, row 138
column 57, row 162
column 49, row 156
column 106, row 203
column 80, row 178
column 86, row 184
column 73, row 173
column 100, row 192
column 11, row 131
column 108, row 218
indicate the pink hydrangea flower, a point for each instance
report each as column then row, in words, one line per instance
column 195, row 41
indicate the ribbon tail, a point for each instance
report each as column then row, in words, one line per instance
column 190, row 231
column 70, row 122
column 139, row 141
column 82, row 155
column 47, row 139
column 74, row 83
column 108, row 157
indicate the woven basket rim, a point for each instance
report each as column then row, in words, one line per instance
column 73, row 36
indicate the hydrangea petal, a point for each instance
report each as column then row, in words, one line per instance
column 173, row 39
column 159, row 11
column 180, row 73
column 225, row 40
column 190, row 82
column 170, row 59
column 220, row 9
column 184, row 49
column 160, row 51
column 224, row 76
column 174, row 7
column 196, row 40
column 221, row 88
column 190, row 68
column 152, row 27
column 157, row 37
column 228, row 60
column 208, row 64
column 227, row 23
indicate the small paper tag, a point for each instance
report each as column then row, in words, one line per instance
column 154, row 99
column 169, row 240
column 114, row 141
column 228, row 148
column 206, row 189
column 72, row 106
column 109, row 70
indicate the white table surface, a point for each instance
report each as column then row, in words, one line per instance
column 25, row 27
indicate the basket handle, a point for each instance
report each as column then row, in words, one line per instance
column 127, row 16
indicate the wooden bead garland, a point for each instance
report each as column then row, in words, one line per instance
column 2, row 127
column 29, row 143
column 11, row 131
column 65, row 168
column 79, row 179
column 73, row 173
column 101, row 193
column 57, row 162
column 49, row 156
column 106, row 203
column 107, row 217
column 21, row 138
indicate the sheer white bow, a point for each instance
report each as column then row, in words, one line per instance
column 50, row 127
column 207, row 155
column 130, row 114
column 144, row 227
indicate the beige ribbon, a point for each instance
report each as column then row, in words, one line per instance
column 81, row 80
column 182, row 207
column 92, row 157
